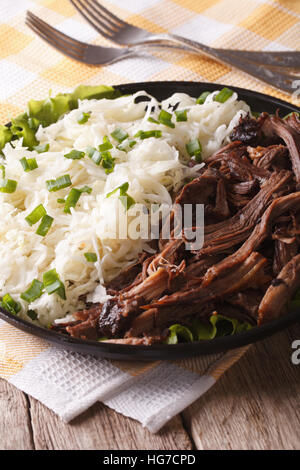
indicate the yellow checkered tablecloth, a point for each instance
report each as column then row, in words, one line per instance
column 29, row 68
column 67, row 382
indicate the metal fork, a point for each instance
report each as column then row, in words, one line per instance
column 123, row 33
column 86, row 53
column 98, row 55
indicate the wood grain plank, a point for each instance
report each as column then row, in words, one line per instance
column 102, row 428
column 15, row 426
column 255, row 405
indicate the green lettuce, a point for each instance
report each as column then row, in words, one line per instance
column 217, row 326
column 48, row 111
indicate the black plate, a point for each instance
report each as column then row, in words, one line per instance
column 162, row 90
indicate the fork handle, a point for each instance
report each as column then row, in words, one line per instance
column 273, row 58
column 274, row 78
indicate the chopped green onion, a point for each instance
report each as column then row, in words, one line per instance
column 202, row 97
column 91, row 257
column 90, row 151
column 123, row 190
column 9, row 304
column 2, row 169
column 33, row 292
column 146, row 134
column 85, row 189
column 223, row 95
column 107, row 145
column 194, row 148
column 41, row 148
column 125, row 199
column 83, row 118
column 28, row 164
column 181, row 115
column 8, row 186
column 108, row 162
column 165, row 119
column 151, row 119
column 75, row 155
column 61, row 201
column 32, row 314
column 45, row 225
column 119, row 134
column 96, row 157
column 126, row 145
column 72, row 200
column 36, row 215
column 53, row 284
column 60, row 183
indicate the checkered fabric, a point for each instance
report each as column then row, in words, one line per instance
column 67, row 382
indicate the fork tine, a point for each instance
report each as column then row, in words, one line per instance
column 43, row 26
column 104, row 29
column 54, row 40
column 110, row 16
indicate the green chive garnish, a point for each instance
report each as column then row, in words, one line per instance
column 9, row 304
column 41, row 148
column 126, row 145
column 194, row 149
column 223, row 95
column 119, row 134
column 165, row 119
column 108, row 162
column 181, row 115
column 28, row 164
column 32, row 314
column 90, row 151
column 60, row 183
column 107, row 145
column 85, row 189
column 53, row 284
column 61, row 201
column 151, row 119
column 36, row 215
column 91, row 257
column 202, row 97
column 72, row 200
column 126, row 200
column 96, row 157
column 8, row 186
column 33, row 292
column 44, row 226
column 146, row 134
column 75, row 155
column 83, row 118
column 2, row 169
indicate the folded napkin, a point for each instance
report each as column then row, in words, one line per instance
column 68, row 382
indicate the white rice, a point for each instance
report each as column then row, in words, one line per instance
column 152, row 168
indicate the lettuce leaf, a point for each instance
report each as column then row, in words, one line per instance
column 5, row 136
column 178, row 332
column 217, row 326
column 48, row 111
column 20, row 128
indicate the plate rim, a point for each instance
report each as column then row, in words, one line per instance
column 166, row 351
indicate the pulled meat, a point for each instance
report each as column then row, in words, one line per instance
column 249, row 265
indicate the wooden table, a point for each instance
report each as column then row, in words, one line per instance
column 254, row 406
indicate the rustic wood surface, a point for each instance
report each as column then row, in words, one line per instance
column 255, row 405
